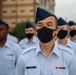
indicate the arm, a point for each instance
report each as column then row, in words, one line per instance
column 72, row 66
column 20, row 67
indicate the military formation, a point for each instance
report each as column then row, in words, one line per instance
column 48, row 49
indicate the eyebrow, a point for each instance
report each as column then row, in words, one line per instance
column 42, row 23
column 39, row 23
column 50, row 22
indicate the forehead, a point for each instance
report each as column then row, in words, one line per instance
column 31, row 28
column 72, row 27
column 48, row 19
column 2, row 26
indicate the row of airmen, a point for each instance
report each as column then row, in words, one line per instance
column 52, row 53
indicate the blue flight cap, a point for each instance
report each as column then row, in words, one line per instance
column 71, row 23
column 29, row 25
column 62, row 22
column 42, row 14
column 3, row 23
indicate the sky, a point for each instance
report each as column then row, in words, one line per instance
column 66, row 9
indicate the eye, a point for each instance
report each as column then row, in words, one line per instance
column 1, row 29
column 63, row 28
column 30, row 30
column 49, row 24
column 26, row 30
column 39, row 25
column 73, row 28
column 69, row 28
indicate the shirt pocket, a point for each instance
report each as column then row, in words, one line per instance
column 60, row 72
column 10, row 61
column 10, row 57
column 32, row 71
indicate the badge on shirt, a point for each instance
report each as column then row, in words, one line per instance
column 30, row 67
column 9, row 54
column 59, row 67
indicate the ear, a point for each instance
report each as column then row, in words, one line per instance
column 34, row 31
column 68, row 31
column 35, row 26
column 57, row 31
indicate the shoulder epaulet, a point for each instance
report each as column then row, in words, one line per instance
column 69, row 47
column 14, row 44
column 66, row 49
column 29, row 49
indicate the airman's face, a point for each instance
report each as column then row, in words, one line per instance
column 29, row 30
column 72, row 27
column 64, row 27
column 48, row 22
column 72, row 31
column 3, row 32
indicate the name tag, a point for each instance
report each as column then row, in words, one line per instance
column 60, row 67
column 9, row 54
column 30, row 67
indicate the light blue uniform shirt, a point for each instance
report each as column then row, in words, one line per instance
column 33, row 62
column 9, row 54
column 24, row 43
column 73, row 45
column 67, row 47
column 12, row 38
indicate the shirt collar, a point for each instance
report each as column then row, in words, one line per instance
column 7, row 44
column 55, row 50
column 71, row 41
column 38, row 49
column 68, row 44
column 75, row 41
column 34, row 39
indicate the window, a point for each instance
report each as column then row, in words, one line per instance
column 13, row 0
column 4, row 0
column 41, row 1
column 31, row 10
column 13, row 11
column 53, row 0
column 44, row 2
column 4, row 11
column 22, row 10
column 13, row 22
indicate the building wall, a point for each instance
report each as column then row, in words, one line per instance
column 0, row 9
column 14, row 11
column 48, row 5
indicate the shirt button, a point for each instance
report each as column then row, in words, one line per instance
column 45, row 73
column 60, row 72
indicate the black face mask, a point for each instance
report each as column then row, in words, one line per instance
column 45, row 34
column 72, row 33
column 62, row 34
column 29, row 35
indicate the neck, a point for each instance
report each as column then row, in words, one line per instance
column 47, row 47
column 30, row 40
column 62, row 41
column 72, row 39
column 2, row 42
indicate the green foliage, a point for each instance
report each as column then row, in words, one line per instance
column 19, row 30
